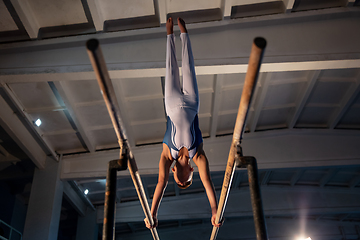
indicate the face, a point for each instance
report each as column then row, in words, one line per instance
column 182, row 174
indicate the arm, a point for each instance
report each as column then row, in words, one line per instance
column 164, row 167
column 203, row 166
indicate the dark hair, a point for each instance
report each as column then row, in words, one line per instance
column 186, row 185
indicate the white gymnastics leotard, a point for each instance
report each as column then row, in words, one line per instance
column 181, row 106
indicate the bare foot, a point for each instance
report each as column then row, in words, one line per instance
column 169, row 26
column 181, row 24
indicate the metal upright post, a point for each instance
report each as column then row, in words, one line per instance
column 256, row 55
column 255, row 194
column 110, row 197
column 107, row 89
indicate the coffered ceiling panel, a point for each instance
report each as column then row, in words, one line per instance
column 35, row 95
column 113, row 9
column 52, row 13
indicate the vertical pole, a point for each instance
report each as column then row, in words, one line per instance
column 256, row 55
column 258, row 211
column 255, row 194
column 107, row 89
column 110, row 202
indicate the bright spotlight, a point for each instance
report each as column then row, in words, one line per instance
column 87, row 191
column 38, row 122
column 303, row 238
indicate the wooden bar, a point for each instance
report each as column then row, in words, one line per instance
column 255, row 59
column 107, row 89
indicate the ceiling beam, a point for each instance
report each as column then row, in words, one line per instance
column 100, row 127
column 143, row 98
column 102, row 191
column 144, row 48
column 22, row 112
column 358, row 230
column 296, row 177
column 74, row 199
column 27, row 17
column 272, row 149
column 96, row 14
column 355, row 181
column 9, row 158
column 303, row 97
column 342, row 218
column 63, row 89
column 289, row 5
column 45, row 109
column 328, row 176
column 322, row 105
column 200, row 70
column 226, row 8
column 266, row 178
column 59, row 132
column 79, row 191
column 288, row 105
column 258, row 103
column 345, row 103
column 132, row 227
column 350, row 3
column 161, row 10
column 17, row 131
column 298, row 16
column 276, row 201
column 216, row 101
column 3, row 151
column 122, row 102
column 89, row 104
column 237, row 179
column 227, row 5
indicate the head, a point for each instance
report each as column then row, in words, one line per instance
column 183, row 172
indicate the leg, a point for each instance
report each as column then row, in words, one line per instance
column 172, row 79
column 188, row 68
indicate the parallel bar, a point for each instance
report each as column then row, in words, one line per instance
column 252, row 73
column 107, row 89
column 256, row 55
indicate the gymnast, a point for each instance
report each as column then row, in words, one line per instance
column 182, row 141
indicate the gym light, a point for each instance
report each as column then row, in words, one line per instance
column 38, row 122
column 86, row 191
column 303, row 238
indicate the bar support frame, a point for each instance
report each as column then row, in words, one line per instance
column 250, row 164
column 255, row 59
column 107, row 90
column 110, row 196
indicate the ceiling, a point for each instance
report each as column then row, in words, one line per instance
column 303, row 125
